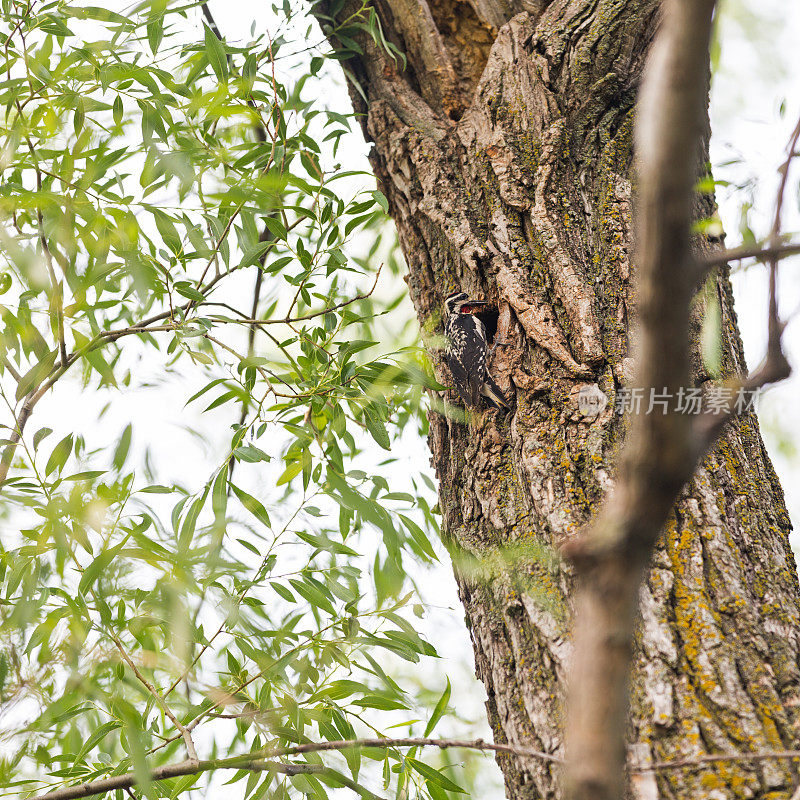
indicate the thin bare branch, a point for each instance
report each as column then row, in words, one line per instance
column 303, row 317
column 382, row 742
column 16, row 435
column 10, row 367
column 758, row 252
column 263, row 759
column 783, row 171
column 265, row 374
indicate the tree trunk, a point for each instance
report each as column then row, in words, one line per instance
column 504, row 147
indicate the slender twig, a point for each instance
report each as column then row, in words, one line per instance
column 383, row 742
column 265, row 374
column 763, row 251
column 783, row 171
column 184, row 731
column 266, row 236
column 251, row 334
column 10, row 367
column 773, row 248
column 16, row 435
column 287, row 320
column 58, row 291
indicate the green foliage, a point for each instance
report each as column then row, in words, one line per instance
column 152, row 174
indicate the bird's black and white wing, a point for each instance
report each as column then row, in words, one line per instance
column 493, row 394
column 466, row 356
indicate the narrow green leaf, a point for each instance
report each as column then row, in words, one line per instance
column 59, row 455
column 96, row 737
column 283, row 592
column 249, row 546
column 255, row 253
column 78, row 116
column 419, row 537
column 190, row 520
column 35, row 375
column 215, row 52
column 117, row 110
column 439, row 710
column 252, row 505
column 431, row 774
column 123, row 446
column 377, row 429
column 276, row 228
column 381, row 200
column 313, row 595
column 250, row 453
column 187, row 290
column 41, row 434
column 99, row 565
column 155, row 30
column 157, row 488
column 290, row 472
column 219, row 493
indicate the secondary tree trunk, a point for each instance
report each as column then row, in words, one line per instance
column 504, row 147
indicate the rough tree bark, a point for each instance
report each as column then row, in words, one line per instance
column 504, row 147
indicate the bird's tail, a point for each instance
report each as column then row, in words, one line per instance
column 494, row 395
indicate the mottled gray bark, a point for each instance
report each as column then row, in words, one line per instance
column 504, row 148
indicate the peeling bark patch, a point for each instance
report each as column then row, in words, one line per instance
column 538, row 321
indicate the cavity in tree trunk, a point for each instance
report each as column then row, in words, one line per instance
column 504, row 147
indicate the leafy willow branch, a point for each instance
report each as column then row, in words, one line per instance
column 147, row 326
column 263, row 760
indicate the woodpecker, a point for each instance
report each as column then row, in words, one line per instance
column 468, row 352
